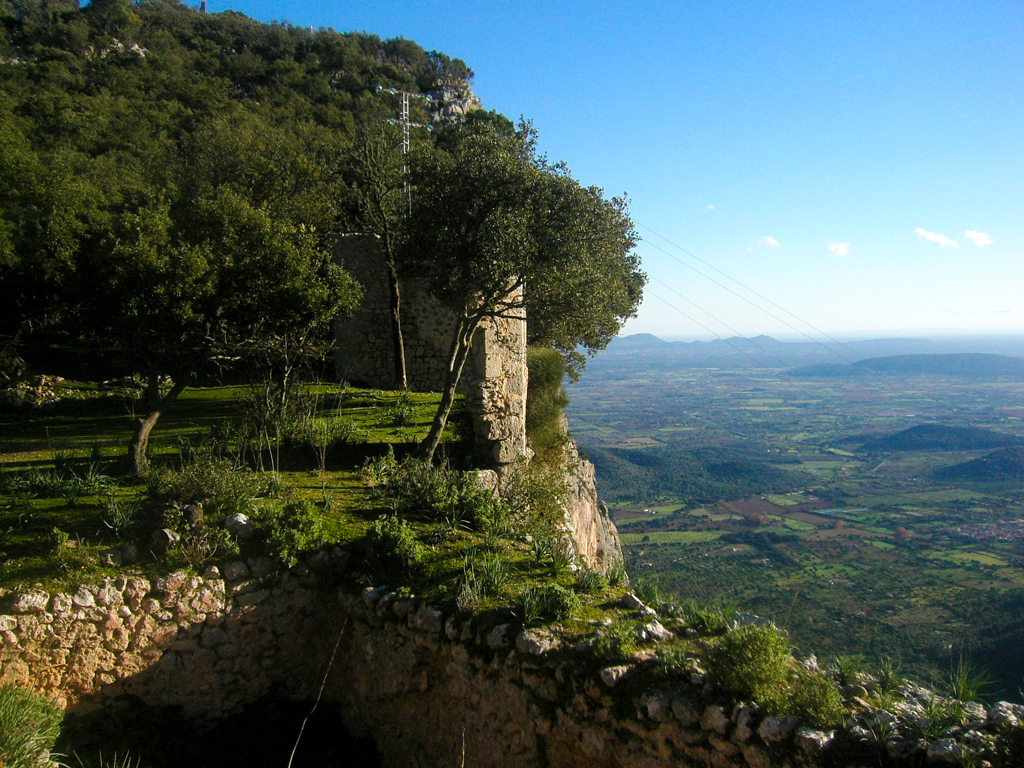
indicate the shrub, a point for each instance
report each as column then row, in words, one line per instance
column 29, row 725
column 533, row 495
column 545, row 399
column 707, row 618
column 550, row 603
column 815, row 698
column 393, row 544
column 295, row 530
column 752, row 663
column 414, row 487
column 224, row 488
column 617, row 643
column 588, row 581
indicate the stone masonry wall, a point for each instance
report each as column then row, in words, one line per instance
column 429, row 688
column 494, row 380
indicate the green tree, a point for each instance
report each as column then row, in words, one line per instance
column 381, row 194
column 493, row 222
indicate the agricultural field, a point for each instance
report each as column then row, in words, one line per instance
column 849, row 537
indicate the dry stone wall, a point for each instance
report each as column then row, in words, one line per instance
column 429, row 688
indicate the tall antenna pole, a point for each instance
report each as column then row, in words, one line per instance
column 405, row 122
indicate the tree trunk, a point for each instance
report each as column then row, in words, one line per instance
column 396, row 327
column 461, row 345
column 137, row 462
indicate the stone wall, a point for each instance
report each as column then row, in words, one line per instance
column 429, row 688
column 494, row 380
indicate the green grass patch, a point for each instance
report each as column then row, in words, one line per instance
column 670, row 537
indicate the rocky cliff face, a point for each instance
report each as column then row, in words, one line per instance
column 587, row 518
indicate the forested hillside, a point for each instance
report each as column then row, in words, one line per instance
column 151, row 156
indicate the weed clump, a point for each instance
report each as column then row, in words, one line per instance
column 224, row 488
column 414, row 487
column 393, row 544
column 296, row 529
column 616, row 644
column 29, row 726
column 752, row 662
column 549, row 603
column 815, row 698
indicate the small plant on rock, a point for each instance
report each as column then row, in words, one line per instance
column 815, row 698
column 551, row 603
column 616, row 644
column 752, row 662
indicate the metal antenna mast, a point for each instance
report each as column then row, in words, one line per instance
column 405, row 122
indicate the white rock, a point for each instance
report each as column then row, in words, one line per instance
column 535, row 642
column 812, row 741
column 239, row 525
column 30, row 602
column 499, row 636
column 83, row 598
column 611, row 675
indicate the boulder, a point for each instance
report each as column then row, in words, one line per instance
column 162, row 540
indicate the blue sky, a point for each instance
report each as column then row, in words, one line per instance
column 858, row 164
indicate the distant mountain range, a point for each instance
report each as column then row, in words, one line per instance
column 973, row 365
column 737, row 352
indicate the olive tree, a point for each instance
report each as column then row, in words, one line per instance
column 496, row 228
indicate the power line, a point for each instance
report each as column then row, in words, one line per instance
column 748, row 288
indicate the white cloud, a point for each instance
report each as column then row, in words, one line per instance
column 710, row 208
column 768, row 242
column 839, row 249
column 980, row 238
column 942, row 240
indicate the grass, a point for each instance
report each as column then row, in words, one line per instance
column 670, row 537
column 62, row 472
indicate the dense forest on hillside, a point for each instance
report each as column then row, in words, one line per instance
column 143, row 143
column 940, row 437
column 690, row 473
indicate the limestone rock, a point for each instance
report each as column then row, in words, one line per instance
column 653, row 632
column 714, row 719
column 686, row 710
column 500, row 636
column 30, row 602
column 162, row 540
column 235, row 570
column 238, row 525
column 535, row 642
column 813, row 741
column 426, row 619
column 611, row 675
column 775, row 729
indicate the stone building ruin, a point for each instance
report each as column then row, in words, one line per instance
column 493, row 382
